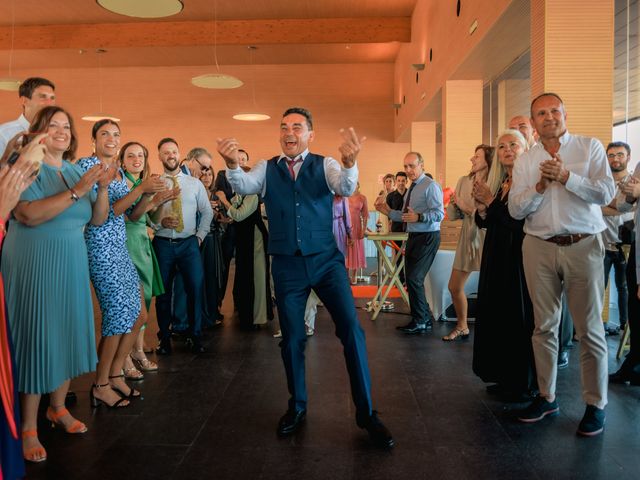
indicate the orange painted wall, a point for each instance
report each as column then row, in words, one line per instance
column 154, row 102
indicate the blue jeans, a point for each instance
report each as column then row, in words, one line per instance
column 185, row 256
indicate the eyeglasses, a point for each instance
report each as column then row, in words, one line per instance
column 204, row 169
column 619, row 155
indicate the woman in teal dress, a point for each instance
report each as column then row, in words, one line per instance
column 133, row 159
column 45, row 267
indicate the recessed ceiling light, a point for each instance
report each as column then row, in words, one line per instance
column 142, row 8
column 10, row 84
column 216, row 80
column 251, row 117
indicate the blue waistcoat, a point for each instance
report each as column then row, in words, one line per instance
column 300, row 213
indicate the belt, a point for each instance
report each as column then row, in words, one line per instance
column 174, row 240
column 566, row 240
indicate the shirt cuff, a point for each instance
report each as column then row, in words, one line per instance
column 573, row 182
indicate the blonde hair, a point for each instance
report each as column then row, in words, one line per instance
column 497, row 171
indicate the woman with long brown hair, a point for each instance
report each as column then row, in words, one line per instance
column 469, row 249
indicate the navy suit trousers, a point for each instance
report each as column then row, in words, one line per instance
column 325, row 272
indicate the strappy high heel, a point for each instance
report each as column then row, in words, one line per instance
column 457, row 333
column 96, row 402
column 33, row 454
column 132, row 391
column 54, row 415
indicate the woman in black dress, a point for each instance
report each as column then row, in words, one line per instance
column 502, row 350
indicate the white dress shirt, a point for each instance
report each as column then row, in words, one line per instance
column 610, row 235
column 563, row 209
column 340, row 180
column 11, row 129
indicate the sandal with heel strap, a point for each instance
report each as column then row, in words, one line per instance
column 457, row 333
column 96, row 402
column 30, row 453
column 132, row 391
column 54, row 415
column 144, row 364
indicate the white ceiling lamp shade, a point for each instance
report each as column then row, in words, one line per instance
column 143, row 8
column 216, row 81
column 10, row 83
column 253, row 115
column 100, row 115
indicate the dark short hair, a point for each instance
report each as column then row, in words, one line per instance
column 167, row 140
column 146, row 169
column 300, row 111
column 30, row 84
column 41, row 124
column 245, row 152
column 545, row 94
column 401, row 174
column 101, row 123
column 619, row 145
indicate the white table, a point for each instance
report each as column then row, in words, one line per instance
column 436, row 281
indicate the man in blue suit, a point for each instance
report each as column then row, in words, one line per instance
column 298, row 188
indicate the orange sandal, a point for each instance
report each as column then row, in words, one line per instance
column 33, row 454
column 76, row 427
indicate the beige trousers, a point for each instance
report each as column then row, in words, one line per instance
column 577, row 269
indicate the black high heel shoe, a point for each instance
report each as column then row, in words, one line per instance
column 133, row 393
column 96, row 402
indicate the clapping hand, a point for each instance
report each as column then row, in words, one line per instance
column 89, row 179
column 13, row 181
column 631, row 188
column 350, row 147
column 482, row 193
column 410, row 216
column 165, row 196
column 553, row 169
column 153, row 184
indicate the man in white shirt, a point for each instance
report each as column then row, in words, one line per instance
column 35, row 93
column 558, row 187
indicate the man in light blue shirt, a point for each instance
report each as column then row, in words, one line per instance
column 422, row 213
column 176, row 243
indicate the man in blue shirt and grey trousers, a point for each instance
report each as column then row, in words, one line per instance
column 422, row 213
column 298, row 188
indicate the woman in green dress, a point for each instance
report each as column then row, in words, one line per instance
column 133, row 158
column 45, row 267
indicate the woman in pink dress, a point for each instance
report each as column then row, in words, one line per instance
column 342, row 224
column 359, row 217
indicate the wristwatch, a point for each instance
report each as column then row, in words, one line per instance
column 74, row 195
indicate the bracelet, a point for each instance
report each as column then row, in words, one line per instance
column 74, row 195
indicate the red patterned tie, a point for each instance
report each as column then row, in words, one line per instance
column 291, row 164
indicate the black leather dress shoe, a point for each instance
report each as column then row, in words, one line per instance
column 413, row 328
column 563, row 359
column 378, row 433
column 290, row 422
column 164, row 348
column 622, row 376
column 195, row 346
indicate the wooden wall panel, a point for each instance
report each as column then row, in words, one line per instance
column 423, row 140
column 461, row 127
column 578, row 61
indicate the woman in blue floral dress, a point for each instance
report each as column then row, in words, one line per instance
column 114, row 276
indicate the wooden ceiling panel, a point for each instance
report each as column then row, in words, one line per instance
column 38, row 12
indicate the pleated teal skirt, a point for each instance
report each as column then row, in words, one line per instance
column 48, row 297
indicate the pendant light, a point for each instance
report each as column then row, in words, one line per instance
column 94, row 117
column 219, row 81
column 253, row 115
column 10, row 83
column 143, row 8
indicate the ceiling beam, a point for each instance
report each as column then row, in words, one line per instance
column 229, row 32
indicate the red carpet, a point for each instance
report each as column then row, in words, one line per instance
column 368, row 291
